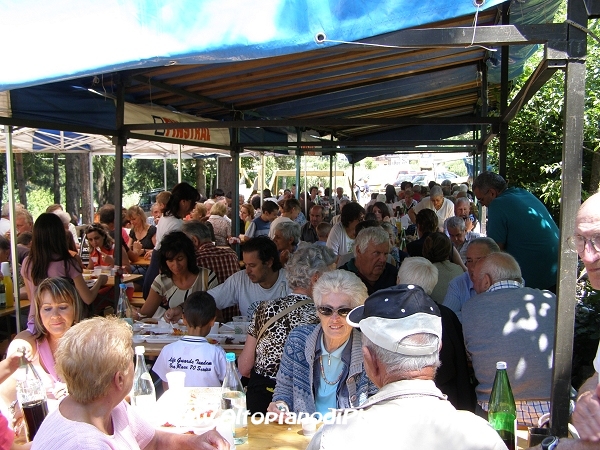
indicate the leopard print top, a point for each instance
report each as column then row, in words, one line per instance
column 270, row 347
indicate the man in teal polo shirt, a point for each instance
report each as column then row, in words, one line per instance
column 521, row 225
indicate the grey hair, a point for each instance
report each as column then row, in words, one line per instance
column 376, row 235
column 419, row 271
column 436, row 191
column 500, row 267
column 341, row 282
column 487, row 242
column 460, row 200
column 456, row 222
column 401, row 366
column 289, row 229
column 65, row 217
column 489, row 180
column 306, row 262
column 387, row 226
column 196, row 229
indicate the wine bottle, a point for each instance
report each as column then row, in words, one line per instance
column 8, row 284
column 124, row 310
column 502, row 413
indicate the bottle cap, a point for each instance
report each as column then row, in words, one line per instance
column 500, row 365
column 123, row 286
column 140, row 349
column 5, row 268
column 230, row 356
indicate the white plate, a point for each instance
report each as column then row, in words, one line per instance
column 138, row 339
column 158, row 330
column 162, row 339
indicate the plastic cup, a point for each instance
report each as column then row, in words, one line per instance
column 215, row 328
column 176, row 380
column 97, row 270
column 309, row 426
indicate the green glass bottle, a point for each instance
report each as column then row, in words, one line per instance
column 502, row 413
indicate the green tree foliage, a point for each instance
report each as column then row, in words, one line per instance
column 535, row 136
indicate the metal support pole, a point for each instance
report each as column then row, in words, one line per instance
column 573, row 120
column 484, row 113
column 179, row 167
column 91, row 168
column 235, row 200
column 165, row 173
column 13, row 229
column 352, row 187
column 503, row 99
column 118, row 200
column 298, row 162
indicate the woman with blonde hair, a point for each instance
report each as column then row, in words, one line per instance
column 142, row 236
column 221, row 224
column 95, row 358
column 57, row 308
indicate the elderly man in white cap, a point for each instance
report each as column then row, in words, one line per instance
column 402, row 331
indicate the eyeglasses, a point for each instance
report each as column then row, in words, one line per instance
column 327, row 311
column 578, row 242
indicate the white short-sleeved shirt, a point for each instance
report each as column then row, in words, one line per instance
column 445, row 212
column 204, row 364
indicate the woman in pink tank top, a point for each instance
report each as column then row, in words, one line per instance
column 57, row 308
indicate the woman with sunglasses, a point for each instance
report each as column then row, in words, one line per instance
column 322, row 365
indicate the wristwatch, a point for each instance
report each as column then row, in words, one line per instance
column 550, row 443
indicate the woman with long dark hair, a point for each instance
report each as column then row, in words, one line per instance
column 181, row 203
column 179, row 277
column 50, row 257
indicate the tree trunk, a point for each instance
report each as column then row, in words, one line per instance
column 595, row 176
column 20, row 175
column 201, row 176
column 56, row 179
column 226, row 175
column 73, row 189
column 86, row 195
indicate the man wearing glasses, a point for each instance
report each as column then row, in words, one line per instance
column 586, row 241
column 521, row 226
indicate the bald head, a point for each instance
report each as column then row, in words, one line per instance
column 494, row 268
column 587, row 224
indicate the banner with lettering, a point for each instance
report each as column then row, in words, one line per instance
column 153, row 114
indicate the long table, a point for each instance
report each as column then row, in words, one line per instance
column 11, row 310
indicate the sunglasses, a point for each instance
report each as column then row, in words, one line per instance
column 327, row 311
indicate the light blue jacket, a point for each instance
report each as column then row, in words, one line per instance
column 295, row 378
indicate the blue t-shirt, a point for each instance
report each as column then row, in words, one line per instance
column 261, row 227
column 517, row 219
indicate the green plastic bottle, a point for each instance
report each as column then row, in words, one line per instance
column 502, row 413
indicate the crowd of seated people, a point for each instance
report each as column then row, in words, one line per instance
column 307, row 275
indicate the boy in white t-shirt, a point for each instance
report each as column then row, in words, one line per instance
column 204, row 364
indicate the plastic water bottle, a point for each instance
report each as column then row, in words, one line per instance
column 124, row 310
column 233, row 402
column 31, row 395
column 502, row 413
column 8, row 284
column 143, row 395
